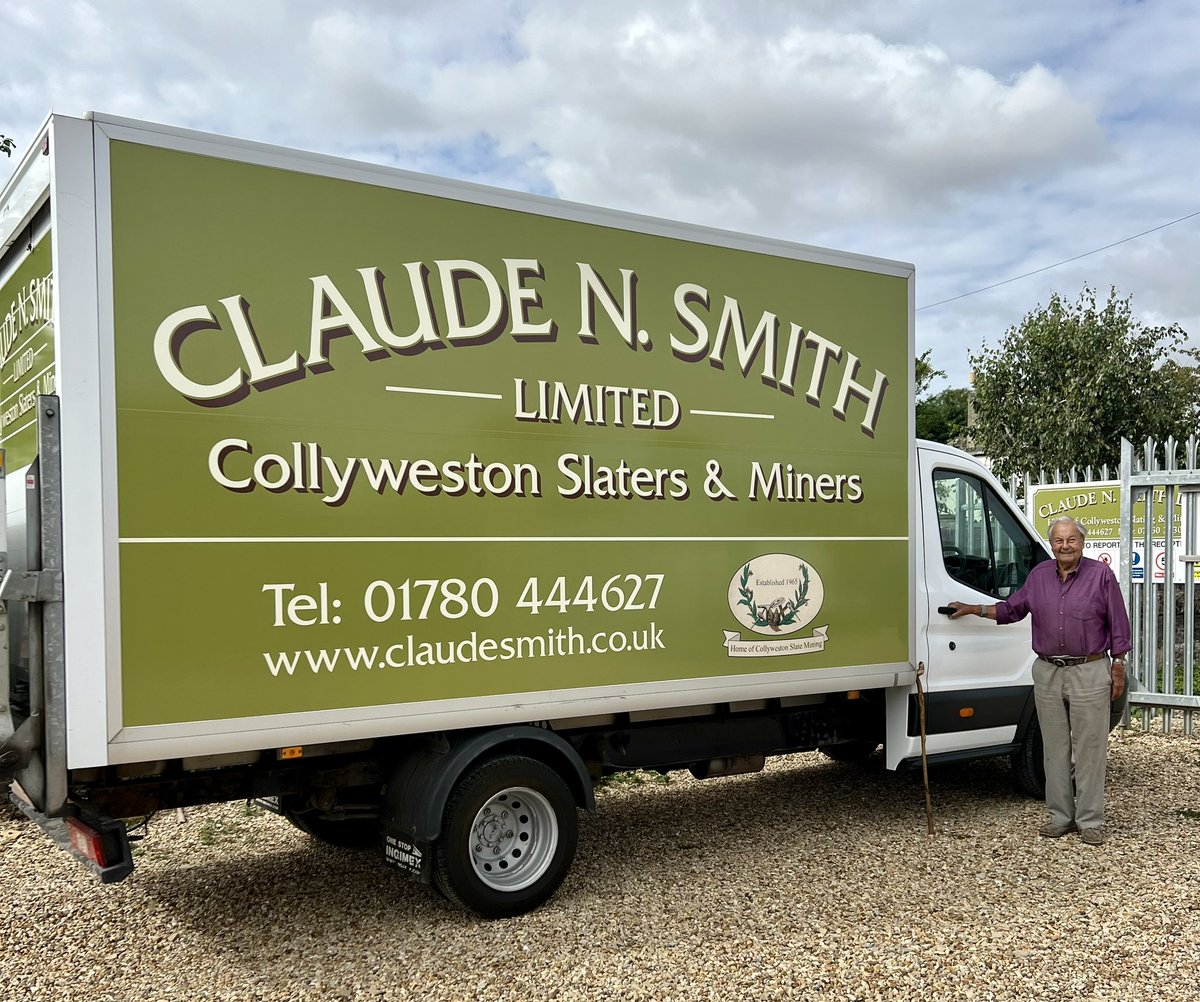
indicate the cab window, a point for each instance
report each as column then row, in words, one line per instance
column 983, row 544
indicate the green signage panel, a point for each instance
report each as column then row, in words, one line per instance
column 380, row 447
column 26, row 352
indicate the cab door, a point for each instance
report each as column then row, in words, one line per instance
column 977, row 548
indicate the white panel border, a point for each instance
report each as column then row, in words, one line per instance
column 83, row 253
column 88, row 517
column 140, row 744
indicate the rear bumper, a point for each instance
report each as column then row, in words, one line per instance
column 101, row 844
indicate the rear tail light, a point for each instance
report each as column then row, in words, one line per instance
column 87, row 841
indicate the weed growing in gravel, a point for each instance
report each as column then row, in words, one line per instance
column 1189, row 814
column 217, row 828
column 209, row 833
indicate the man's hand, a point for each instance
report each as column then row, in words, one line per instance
column 961, row 609
column 1118, row 680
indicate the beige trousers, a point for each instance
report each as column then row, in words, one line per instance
column 1073, row 708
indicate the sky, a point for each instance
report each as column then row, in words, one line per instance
column 979, row 142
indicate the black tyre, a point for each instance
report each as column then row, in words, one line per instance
column 1118, row 706
column 850, row 751
column 1028, row 765
column 508, row 837
column 344, row 833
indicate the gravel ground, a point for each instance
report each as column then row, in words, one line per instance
column 813, row 880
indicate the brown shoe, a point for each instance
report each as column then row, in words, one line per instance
column 1092, row 836
column 1051, row 830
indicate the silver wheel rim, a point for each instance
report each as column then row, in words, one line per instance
column 513, row 839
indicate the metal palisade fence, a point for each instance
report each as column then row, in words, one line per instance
column 1163, row 618
column 1144, row 521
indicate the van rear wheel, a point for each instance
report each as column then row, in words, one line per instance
column 1028, row 766
column 508, row 837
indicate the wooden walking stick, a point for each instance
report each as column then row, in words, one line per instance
column 924, row 761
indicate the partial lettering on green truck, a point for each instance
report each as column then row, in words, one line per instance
column 26, row 352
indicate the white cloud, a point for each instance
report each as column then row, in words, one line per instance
column 784, row 131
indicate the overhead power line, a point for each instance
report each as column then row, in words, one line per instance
column 1059, row 264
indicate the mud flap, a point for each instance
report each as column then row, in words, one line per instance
column 411, row 856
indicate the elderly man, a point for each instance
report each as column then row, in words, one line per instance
column 1079, row 618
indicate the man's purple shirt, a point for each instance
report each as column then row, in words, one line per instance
column 1083, row 615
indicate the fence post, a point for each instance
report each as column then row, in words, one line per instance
column 1125, row 577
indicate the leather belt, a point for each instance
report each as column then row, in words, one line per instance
column 1071, row 662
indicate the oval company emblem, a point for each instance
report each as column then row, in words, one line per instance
column 776, row 594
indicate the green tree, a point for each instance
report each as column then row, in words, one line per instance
column 943, row 417
column 925, row 373
column 7, row 145
column 1071, row 379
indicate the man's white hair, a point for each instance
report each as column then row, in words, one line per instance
column 1066, row 518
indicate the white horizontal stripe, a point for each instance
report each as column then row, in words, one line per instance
column 444, row 393
column 513, row 539
column 760, row 417
column 12, row 432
